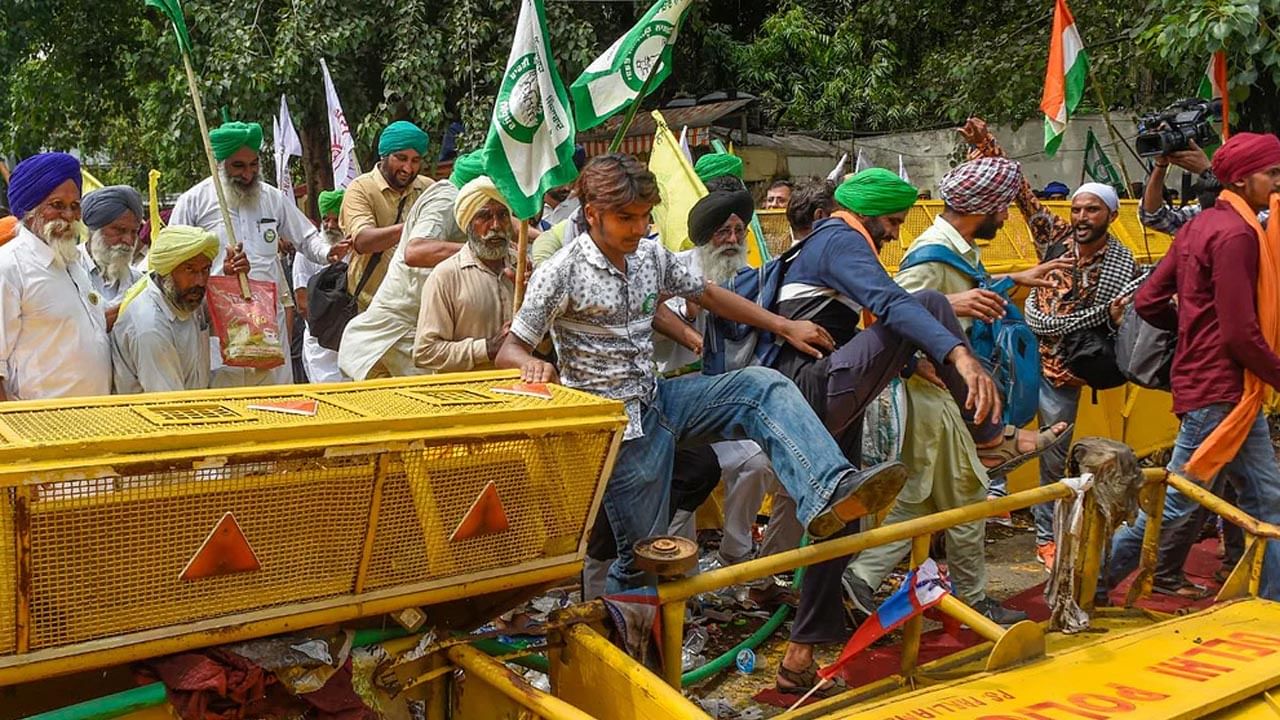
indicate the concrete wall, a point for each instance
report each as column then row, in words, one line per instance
column 930, row 154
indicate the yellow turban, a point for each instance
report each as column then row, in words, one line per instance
column 177, row 244
column 472, row 197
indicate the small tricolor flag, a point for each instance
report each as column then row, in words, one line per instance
column 1213, row 86
column 1065, row 77
column 923, row 588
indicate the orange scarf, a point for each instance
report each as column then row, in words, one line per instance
column 856, row 225
column 1225, row 441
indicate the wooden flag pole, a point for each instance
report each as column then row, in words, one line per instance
column 1115, row 136
column 633, row 109
column 522, row 264
column 213, row 167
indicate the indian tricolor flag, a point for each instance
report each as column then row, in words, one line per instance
column 1213, row 86
column 1064, row 78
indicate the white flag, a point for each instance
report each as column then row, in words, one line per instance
column 529, row 149
column 286, row 145
column 837, row 173
column 342, row 145
column 861, row 163
column 684, row 144
column 902, row 170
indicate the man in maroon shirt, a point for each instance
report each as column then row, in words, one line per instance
column 1212, row 271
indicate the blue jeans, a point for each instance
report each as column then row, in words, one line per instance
column 1057, row 404
column 1254, row 473
column 752, row 404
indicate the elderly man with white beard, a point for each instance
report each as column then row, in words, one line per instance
column 113, row 215
column 53, row 328
column 263, row 217
column 718, row 229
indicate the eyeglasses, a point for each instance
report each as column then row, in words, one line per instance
column 62, row 208
column 728, row 231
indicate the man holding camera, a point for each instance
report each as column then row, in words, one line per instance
column 1226, row 281
column 1153, row 212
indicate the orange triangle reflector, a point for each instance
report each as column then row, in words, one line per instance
column 224, row 552
column 485, row 517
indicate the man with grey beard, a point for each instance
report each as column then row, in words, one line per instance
column 53, row 329
column 466, row 301
column 113, row 215
column 161, row 341
column 263, row 218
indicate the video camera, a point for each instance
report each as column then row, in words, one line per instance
column 1175, row 127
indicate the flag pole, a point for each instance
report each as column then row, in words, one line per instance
column 522, row 263
column 633, row 109
column 213, row 166
column 1115, row 135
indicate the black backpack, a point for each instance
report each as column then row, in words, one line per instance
column 329, row 305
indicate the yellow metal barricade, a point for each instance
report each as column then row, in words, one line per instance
column 1011, row 249
column 137, row 525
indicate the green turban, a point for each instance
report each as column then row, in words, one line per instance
column 232, row 136
column 876, row 192
column 467, row 168
column 402, row 135
column 330, row 202
column 714, row 165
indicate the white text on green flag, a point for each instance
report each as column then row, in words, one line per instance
column 614, row 80
column 530, row 142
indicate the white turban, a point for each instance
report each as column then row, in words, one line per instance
column 472, row 197
column 1105, row 193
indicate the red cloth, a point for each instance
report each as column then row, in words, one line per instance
column 1245, row 154
column 1212, row 267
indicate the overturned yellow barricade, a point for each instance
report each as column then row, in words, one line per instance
column 137, row 526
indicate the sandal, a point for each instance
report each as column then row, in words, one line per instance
column 1007, row 451
column 799, row 682
column 1187, row 590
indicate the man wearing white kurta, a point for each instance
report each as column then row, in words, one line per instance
column 379, row 341
column 53, row 325
column 262, row 216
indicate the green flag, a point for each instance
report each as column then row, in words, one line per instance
column 530, row 144
column 1097, row 165
column 172, row 9
column 614, row 80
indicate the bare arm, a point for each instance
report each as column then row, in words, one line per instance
column 429, row 252
column 515, row 353
column 805, row 336
column 1153, row 193
column 667, row 322
column 371, row 240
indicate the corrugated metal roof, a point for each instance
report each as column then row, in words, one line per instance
column 696, row 116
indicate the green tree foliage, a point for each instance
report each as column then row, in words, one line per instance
column 106, row 77
column 880, row 65
column 1184, row 35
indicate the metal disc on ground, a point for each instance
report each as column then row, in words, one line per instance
column 666, row 555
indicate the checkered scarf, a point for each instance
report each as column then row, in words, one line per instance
column 1079, row 305
column 981, row 187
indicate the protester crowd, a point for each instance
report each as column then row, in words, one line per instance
column 760, row 381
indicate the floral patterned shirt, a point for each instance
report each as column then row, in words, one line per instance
column 601, row 318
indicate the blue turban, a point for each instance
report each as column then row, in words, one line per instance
column 402, row 135
column 36, row 177
column 102, row 207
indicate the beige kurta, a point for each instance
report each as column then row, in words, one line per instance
column 464, row 303
column 370, row 202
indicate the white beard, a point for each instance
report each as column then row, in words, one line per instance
column 720, row 263
column 61, row 236
column 491, row 247
column 239, row 196
column 113, row 260
column 332, row 237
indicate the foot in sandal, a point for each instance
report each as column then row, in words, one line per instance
column 1016, row 447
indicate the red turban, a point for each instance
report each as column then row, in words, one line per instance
column 1245, row 154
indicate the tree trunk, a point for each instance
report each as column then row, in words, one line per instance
column 317, row 165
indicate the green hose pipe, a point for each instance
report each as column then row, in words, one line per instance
column 723, row 662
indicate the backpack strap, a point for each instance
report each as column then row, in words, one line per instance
column 936, row 253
